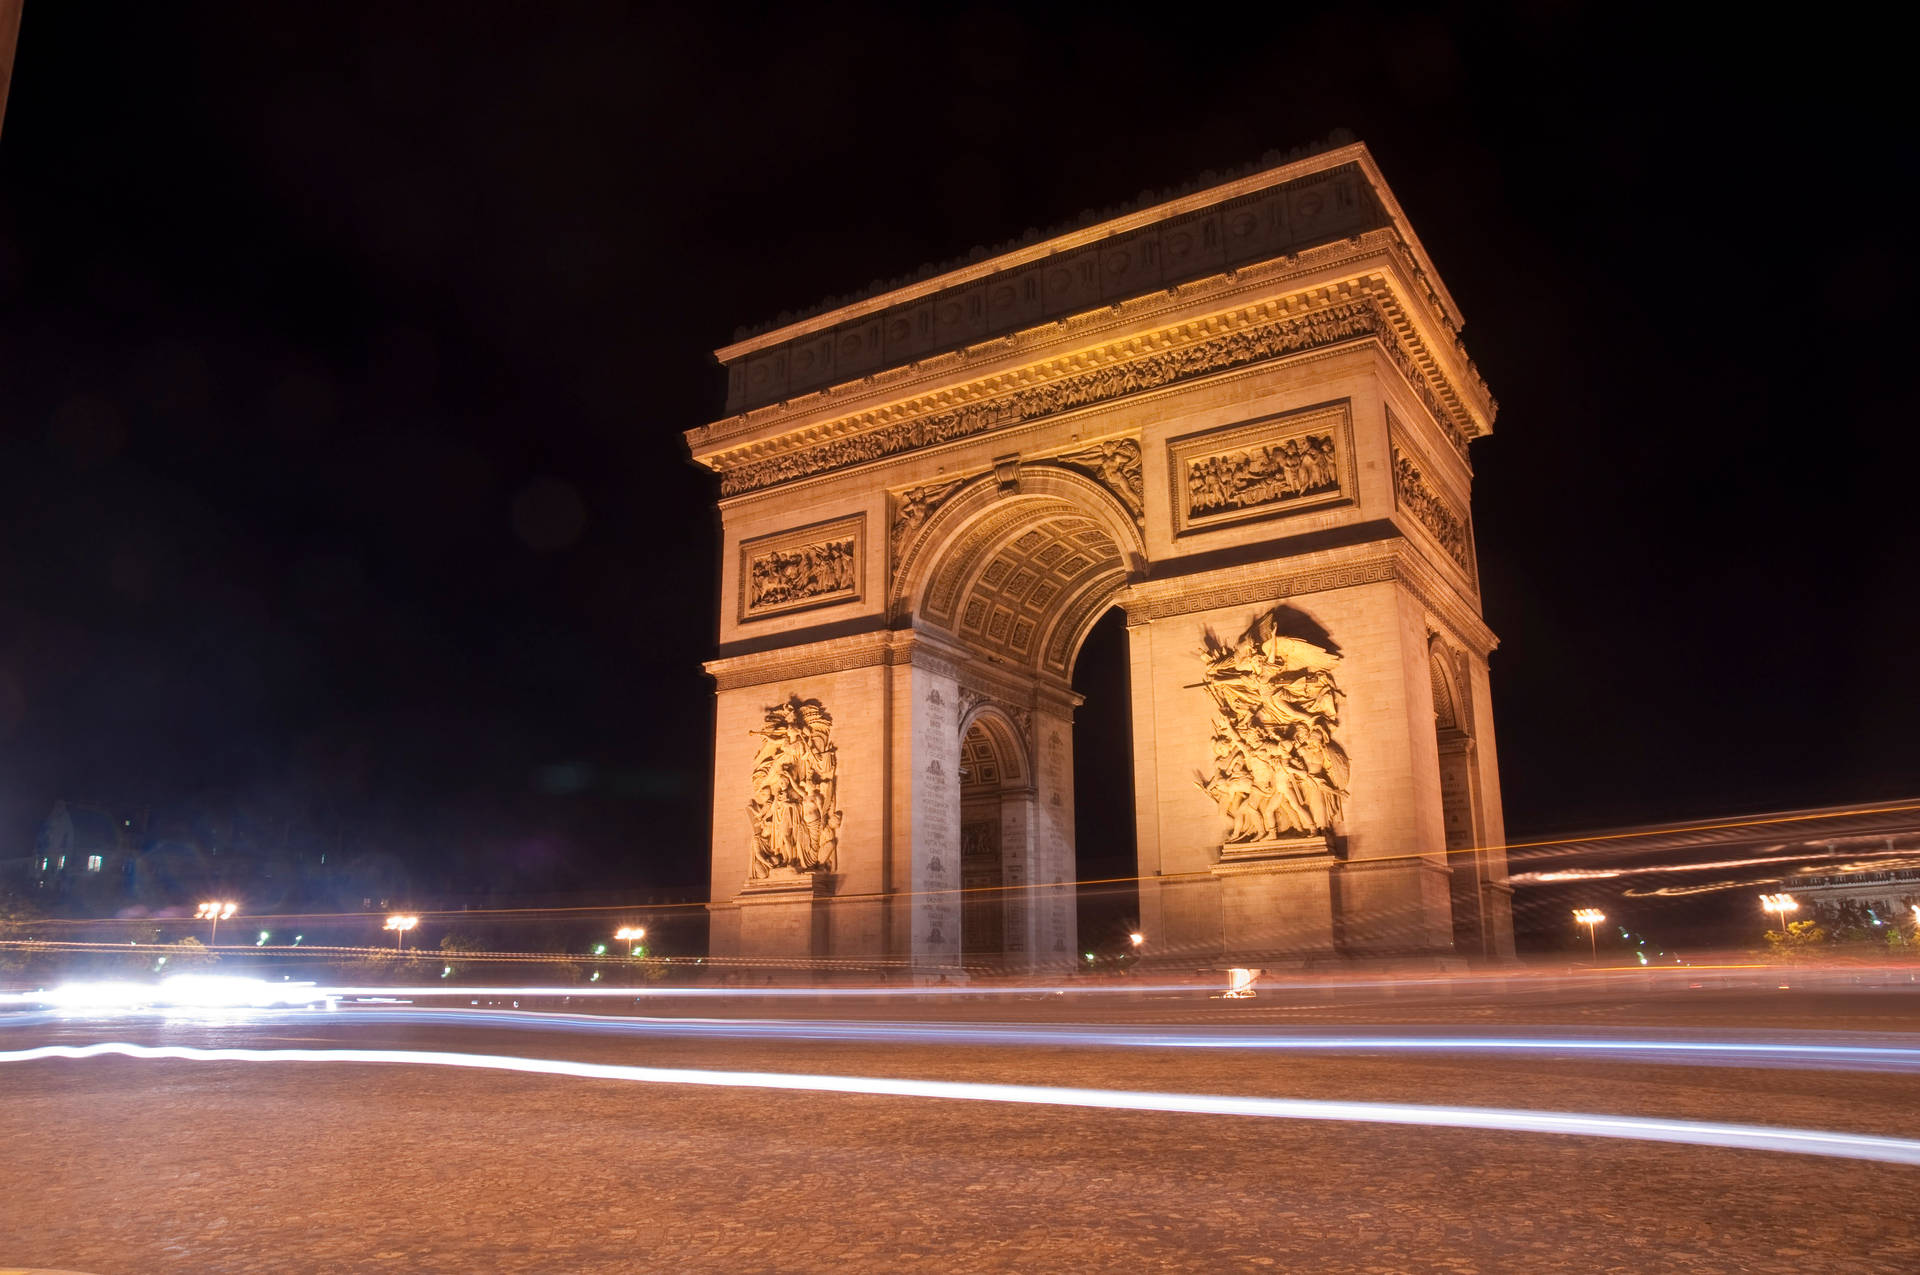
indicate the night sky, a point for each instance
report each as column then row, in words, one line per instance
column 345, row 352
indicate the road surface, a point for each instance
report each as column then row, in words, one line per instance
column 118, row 1165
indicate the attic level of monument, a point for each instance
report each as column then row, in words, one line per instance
column 1281, row 212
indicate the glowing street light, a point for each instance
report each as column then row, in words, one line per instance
column 631, row 936
column 400, row 925
column 1590, row 917
column 1780, row 905
column 1136, row 938
column 216, row 912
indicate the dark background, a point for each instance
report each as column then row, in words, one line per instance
column 345, row 352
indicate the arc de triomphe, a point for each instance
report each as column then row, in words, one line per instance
column 1243, row 416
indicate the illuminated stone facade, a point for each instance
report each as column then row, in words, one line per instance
column 1243, row 416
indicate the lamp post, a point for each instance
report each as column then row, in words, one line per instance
column 400, row 925
column 1590, row 917
column 216, row 912
column 631, row 936
column 1779, row 905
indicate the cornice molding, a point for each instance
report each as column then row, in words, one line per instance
column 878, row 396
column 915, row 647
column 1378, row 563
column 1353, row 311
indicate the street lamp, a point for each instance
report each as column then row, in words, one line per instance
column 1780, row 905
column 216, row 912
column 1136, row 938
column 631, row 936
column 400, row 925
column 1590, row 917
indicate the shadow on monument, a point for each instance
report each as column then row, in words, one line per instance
column 1105, row 843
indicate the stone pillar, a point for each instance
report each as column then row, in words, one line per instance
column 1017, row 819
column 1055, row 908
column 926, row 791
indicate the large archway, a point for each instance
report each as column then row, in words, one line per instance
column 1009, row 574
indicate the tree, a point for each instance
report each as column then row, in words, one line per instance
column 1798, row 940
column 184, row 955
column 455, row 944
column 17, row 918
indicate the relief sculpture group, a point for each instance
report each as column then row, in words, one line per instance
column 795, row 812
column 1277, row 771
column 1301, row 466
column 809, row 571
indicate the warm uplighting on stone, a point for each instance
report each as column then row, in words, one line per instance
column 1242, row 416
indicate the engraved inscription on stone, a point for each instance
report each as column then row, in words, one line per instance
column 1443, row 521
column 808, row 567
column 795, row 806
column 1273, row 466
column 1277, row 770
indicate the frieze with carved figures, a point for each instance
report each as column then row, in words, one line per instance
column 811, row 566
column 1275, row 465
column 1330, row 325
column 1432, row 510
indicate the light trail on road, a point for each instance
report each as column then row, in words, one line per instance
column 1823, row 1051
column 1819, row 1142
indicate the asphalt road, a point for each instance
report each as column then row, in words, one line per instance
column 116, row 1166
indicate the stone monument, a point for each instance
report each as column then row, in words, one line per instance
column 1243, row 415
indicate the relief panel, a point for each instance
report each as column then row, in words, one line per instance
column 817, row 565
column 796, row 778
column 1277, row 770
column 1417, row 491
column 1271, row 467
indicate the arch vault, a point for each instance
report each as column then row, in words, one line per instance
column 1243, row 416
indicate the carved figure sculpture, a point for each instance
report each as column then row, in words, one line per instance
column 796, row 822
column 794, row 575
column 1435, row 512
column 1262, row 475
column 1117, row 464
column 913, row 507
column 1277, row 770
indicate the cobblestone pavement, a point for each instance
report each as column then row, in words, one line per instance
column 120, row 1167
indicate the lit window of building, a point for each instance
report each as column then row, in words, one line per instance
column 95, row 862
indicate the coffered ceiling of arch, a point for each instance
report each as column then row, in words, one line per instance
column 1009, row 589
column 979, row 763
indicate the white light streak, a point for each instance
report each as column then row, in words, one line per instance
column 1851, row 1146
column 181, row 991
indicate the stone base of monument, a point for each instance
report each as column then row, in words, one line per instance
column 1277, row 900
column 783, row 916
column 1275, row 848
